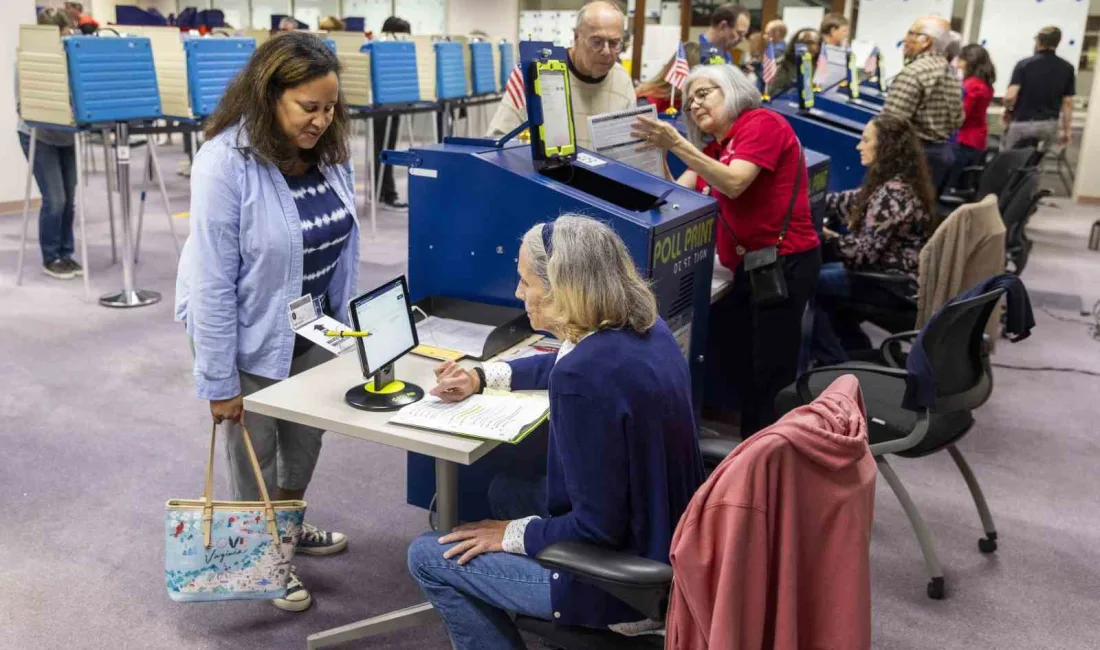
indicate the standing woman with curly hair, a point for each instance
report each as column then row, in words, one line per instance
column 272, row 220
column 885, row 222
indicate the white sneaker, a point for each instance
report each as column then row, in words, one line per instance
column 315, row 541
column 184, row 168
column 297, row 597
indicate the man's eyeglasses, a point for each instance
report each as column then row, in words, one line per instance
column 916, row 34
column 597, row 43
column 699, row 96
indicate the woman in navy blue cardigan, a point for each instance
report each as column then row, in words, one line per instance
column 623, row 455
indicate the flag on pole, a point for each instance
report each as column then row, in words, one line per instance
column 768, row 69
column 870, row 66
column 679, row 70
column 514, row 89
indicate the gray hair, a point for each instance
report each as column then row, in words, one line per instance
column 582, row 15
column 939, row 30
column 590, row 279
column 739, row 95
column 954, row 45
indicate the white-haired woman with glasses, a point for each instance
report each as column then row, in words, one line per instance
column 622, row 456
column 749, row 159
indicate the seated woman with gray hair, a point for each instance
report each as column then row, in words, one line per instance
column 750, row 160
column 622, row 460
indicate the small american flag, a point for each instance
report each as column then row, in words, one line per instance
column 679, row 70
column 870, row 66
column 514, row 88
column 768, row 68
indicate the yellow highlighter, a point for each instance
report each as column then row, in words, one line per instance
column 361, row 335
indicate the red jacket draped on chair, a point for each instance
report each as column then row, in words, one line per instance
column 772, row 551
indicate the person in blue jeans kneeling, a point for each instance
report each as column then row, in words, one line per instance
column 622, row 459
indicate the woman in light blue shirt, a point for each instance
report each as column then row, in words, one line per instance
column 272, row 219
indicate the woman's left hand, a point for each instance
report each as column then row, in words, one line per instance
column 474, row 539
column 657, row 134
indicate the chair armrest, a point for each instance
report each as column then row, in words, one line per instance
column 639, row 582
column 955, row 200
column 891, row 343
column 715, row 450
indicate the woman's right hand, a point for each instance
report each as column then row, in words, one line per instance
column 454, row 383
column 227, row 409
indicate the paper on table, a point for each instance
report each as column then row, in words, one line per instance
column 461, row 336
column 611, row 137
column 505, row 417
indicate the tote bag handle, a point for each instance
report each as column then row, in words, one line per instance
column 208, row 491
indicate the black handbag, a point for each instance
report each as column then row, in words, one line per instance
column 768, row 285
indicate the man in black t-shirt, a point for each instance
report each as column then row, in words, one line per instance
column 1039, row 100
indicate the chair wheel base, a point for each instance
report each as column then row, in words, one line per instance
column 936, row 589
column 988, row 544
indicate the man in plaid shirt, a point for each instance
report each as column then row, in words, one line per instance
column 928, row 94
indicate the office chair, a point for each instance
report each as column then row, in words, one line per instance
column 1021, row 205
column 642, row 583
column 1000, row 172
column 959, row 357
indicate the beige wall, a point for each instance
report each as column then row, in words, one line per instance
column 1088, row 167
column 497, row 18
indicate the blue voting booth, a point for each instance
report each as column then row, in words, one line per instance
column 482, row 74
column 112, row 79
column 507, row 62
column 393, row 73
column 470, row 202
column 450, row 70
column 211, row 64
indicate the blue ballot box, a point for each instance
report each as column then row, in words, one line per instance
column 112, row 79
column 211, row 64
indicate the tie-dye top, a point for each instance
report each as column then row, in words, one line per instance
column 326, row 225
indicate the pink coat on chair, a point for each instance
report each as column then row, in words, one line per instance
column 772, row 552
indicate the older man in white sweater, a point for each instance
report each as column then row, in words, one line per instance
column 597, row 81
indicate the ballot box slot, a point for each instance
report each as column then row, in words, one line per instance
column 603, row 188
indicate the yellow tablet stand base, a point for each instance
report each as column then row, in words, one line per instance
column 383, row 393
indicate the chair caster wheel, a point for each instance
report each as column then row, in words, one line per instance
column 936, row 589
column 988, row 544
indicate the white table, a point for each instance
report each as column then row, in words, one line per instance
column 316, row 398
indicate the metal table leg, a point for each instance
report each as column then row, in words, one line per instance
column 81, row 180
column 27, row 206
column 446, row 501
column 129, row 296
column 371, row 190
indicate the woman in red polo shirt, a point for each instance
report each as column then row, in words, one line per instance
column 978, row 77
column 749, row 159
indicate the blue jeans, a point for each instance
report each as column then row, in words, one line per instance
column 477, row 600
column 940, row 157
column 964, row 157
column 55, row 173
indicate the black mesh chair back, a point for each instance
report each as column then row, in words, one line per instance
column 1000, row 171
column 1020, row 200
column 957, row 354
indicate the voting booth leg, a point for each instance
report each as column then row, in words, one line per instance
column 81, row 178
column 409, row 131
column 27, row 206
column 158, row 174
column 369, row 195
column 109, row 171
column 129, row 296
column 446, row 485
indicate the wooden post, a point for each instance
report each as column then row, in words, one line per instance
column 838, row 7
column 769, row 12
column 636, row 42
column 685, row 20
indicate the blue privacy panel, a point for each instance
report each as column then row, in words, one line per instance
column 331, row 44
column 507, row 62
column 112, row 79
column 450, row 70
column 481, row 62
column 393, row 72
column 211, row 65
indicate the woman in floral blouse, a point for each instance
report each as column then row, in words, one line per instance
column 885, row 222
